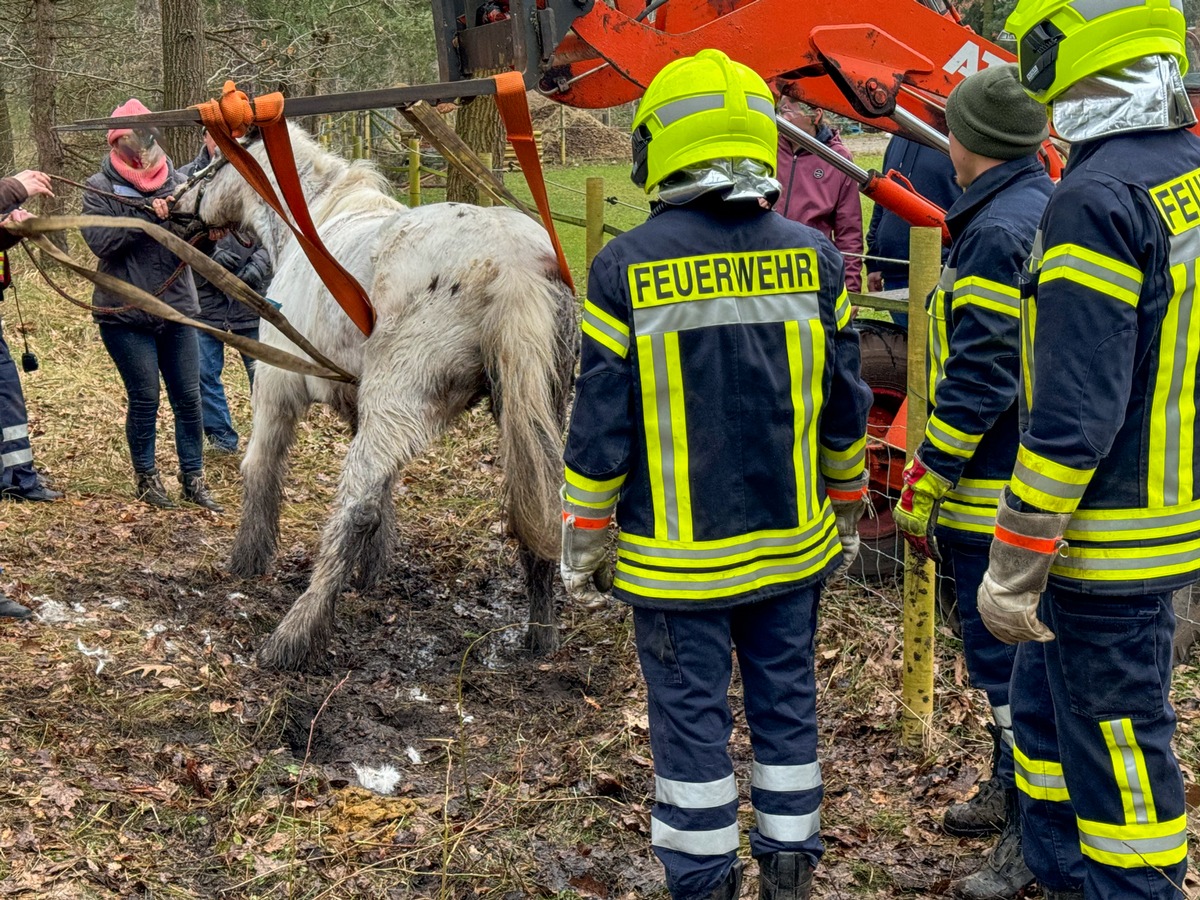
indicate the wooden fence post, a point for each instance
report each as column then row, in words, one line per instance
column 924, row 269
column 483, row 197
column 594, row 217
column 414, row 172
column 562, row 134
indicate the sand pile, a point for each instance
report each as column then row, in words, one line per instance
column 587, row 137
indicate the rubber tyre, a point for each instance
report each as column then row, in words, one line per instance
column 884, row 349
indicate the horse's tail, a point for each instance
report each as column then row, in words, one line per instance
column 529, row 350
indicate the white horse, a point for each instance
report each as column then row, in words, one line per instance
column 469, row 303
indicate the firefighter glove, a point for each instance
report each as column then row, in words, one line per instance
column 916, row 513
column 585, row 566
column 1023, row 549
column 849, row 503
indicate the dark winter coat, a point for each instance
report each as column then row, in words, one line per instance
column 131, row 255
column 12, row 195
column 252, row 264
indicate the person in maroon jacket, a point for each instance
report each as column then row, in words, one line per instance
column 817, row 194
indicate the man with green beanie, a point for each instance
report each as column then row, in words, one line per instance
column 952, row 487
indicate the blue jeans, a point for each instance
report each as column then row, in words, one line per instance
column 686, row 660
column 140, row 356
column 218, row 426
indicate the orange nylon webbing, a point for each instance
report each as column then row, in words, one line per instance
column 227, row 119
column 514, row 111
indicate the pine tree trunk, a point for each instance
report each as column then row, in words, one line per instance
column 479, row 125
column 184, row 72
column 8, row 158
column 43, row 115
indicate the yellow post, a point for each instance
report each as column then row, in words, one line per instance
column 483, row 197
column 414, row 172
column 924, row 268
column 594, row 217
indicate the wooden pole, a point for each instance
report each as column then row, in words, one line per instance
column 924, row 268
column 414, row 172
column 594, row 215
column 562, row 135
column 485, row 199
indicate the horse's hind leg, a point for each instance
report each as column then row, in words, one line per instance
column 542, row 636
column 379, row 549
column 280, row 398
column 386, row 440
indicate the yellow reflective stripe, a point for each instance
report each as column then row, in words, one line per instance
column 683, row 491
column 1142, row 563
column 951, row 440
column 987, row 294
column 939, row 340
column 1134, row 845
column 1123, row 524
column 815, row 383
column 1173, row 406
column 1040, row 779
column 1129, row 770
column 658, row 493
column 842, row 310
column 967, row 517
column 844, row 465
column 591, row 485
column 1094, row 270
column 802, row 352
column 725, row 553
column 579, row 490
column 1047, row 484
column 605, row 329
column 1028, row 328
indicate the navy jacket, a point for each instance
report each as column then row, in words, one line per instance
column 1109, row 353
column 974, row 344
column 719, row 397
column 932, row 174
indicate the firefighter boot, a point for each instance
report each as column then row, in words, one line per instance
column 1004, row 873
column 196, row 491
column 784, row 876
column 150, row 490
column 984, row 813
column 731, row 887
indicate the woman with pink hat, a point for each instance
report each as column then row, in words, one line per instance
column 142, row 346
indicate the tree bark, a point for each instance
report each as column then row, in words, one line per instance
column 479, row 126
column 43, row 96
column 184, row 71
column 8, row 157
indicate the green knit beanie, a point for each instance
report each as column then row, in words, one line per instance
column 989, row 113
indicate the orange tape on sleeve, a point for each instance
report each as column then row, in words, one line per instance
column 1047, row 546
column 514, row 111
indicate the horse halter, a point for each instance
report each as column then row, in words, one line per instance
column 197, row 180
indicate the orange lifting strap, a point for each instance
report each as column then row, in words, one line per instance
column 514, row 112
column 227, row 119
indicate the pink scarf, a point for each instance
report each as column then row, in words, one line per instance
column 145, row 180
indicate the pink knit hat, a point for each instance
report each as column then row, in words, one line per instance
column 131, row 107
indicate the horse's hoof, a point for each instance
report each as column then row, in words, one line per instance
column 541, row 639
column 282, row 655
column 245, row 566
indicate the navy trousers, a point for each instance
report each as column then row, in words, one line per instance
column 16, row 453
column 989, row 661
column 686, row 659
column 1101, row 793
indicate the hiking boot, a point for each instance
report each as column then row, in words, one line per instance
column 784, row 876
column 11, row 609
column 984, row 813
column 196, row 491
column 39, row 493
column 150, row 490
column 1004, row 873
column 731, row 887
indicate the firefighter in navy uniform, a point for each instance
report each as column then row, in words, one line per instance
column 720, row 416
column 954, row 482
column 1101, row 521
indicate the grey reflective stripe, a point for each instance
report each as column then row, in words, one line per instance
column 976, row 494
column 1002, row 715
column 843, row 309
column 804, row 777
column 1084, row 528
column 1165, row 442
column 670, row 113
column 1071, row 261
column 688, row 315
column 1036, row 253
column 1137, row 790
column 947, row 279
column 665, row 436
column 1036, row 779
column 588, row 512
column 1093, row 9
column 716, row 842
column 831, row 465
column 806, row 478
column 695, row 794
column 1108, row 563
column 14, row 432
column 935, row 426
column 714, row 581
column 749, row 545
column 1007, row 738
column 787, row 828
column 619, row 338
column 1137, row 847
column 582, row 495
column 16, row 458
column 965, row 293
column 1047, row 485
column 762, row 105
column 949, row 515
